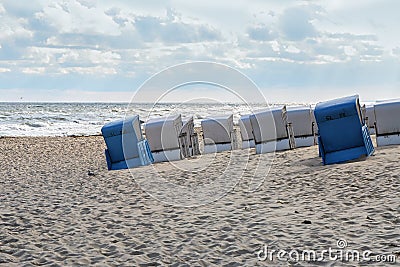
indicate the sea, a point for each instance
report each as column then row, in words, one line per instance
column 84, row 119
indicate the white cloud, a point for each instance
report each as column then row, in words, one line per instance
column 295, row 24
column 89, row 70
column 87, row 3
column 2, row 9
column 34, row 70
column 396, row 51
column 12, row 28
column 261, row 33
column 2, row 70
column 281, row 43
column 349, row 50
column 72, row 17
column 90, row 57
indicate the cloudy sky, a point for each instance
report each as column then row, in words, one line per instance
column 297, row 51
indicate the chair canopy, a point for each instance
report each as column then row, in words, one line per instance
column 217, row 130
column 370, row 114
column 126, row 147
column 269, row 125
column 387, row 117
column 122, row 137
column 302, row 121
column 245, row 128
column 162, row 133
column 339, row 123
column 342, row 133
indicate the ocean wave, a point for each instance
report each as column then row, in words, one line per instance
column 35, row 124
column 65, row 119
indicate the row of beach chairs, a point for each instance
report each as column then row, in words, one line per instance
column 340, row 127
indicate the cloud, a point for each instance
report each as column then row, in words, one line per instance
column 87, row 3
column 90, row 57
column 396, row 51
column 169, row 29
column 353, row 37
column 4, row 70
column 12, row 29
column 101, row 44
column 261, row 33
column 295, row 24
column 73, row 17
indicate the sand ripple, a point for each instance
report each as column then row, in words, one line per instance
column 53, row 213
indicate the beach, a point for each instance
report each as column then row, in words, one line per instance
column 60, row 206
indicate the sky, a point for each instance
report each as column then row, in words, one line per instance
column 294, row 51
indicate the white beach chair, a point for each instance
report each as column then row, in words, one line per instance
column 315, row 124
column 387, row 126
column 218, row 134
column 370, row 118
column 246, row 132
column 271, row 130
column 303, row 126
column 163, row 137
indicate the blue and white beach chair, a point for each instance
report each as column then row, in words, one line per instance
column 126, row 147
column 343, row 134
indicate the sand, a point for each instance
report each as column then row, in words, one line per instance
column 59, row 206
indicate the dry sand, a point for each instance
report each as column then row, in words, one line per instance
column 59, row 206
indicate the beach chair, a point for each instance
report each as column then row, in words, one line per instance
column 126, row 147
column 163, row 137
column 303, row 125
column 314, row 123
column 387, row 126
column 343, row 135
column 188, row 139
column 218, row 134
column 370, row 118
column 246, row 132
column 272, row 131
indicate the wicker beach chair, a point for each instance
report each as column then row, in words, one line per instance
column 387, row 122
column 218, row 134
column 272, row 131
column 343, row 134
column 126, row 147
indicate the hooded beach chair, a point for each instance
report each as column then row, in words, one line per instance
column 387, row 126
column 188, row 139
column 343, row 135
column 303, row 125
column 163, row 137
column 370, row 119
column 126, row 147
column 218, row 134
column 272, row 131
column 246, row 132
column 314, row 122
